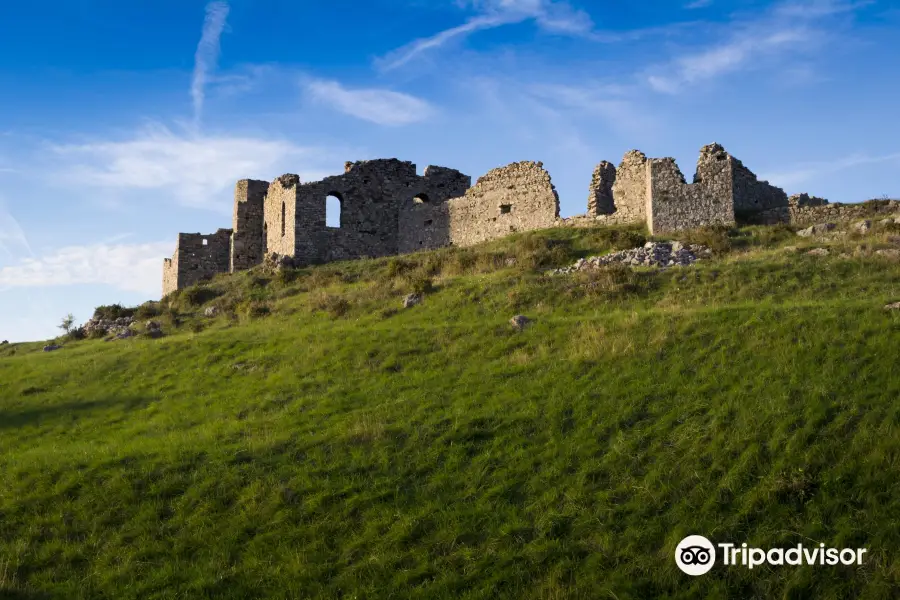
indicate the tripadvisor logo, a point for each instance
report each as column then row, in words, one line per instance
column 696, row 555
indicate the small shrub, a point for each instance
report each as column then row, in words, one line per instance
column 97, row 333
column 197, row 326
column 254, row 309
column 396, row 267
column 112, row 311
column 420, row 283
column 67, row 322
column 714, row 237
column 148, row 310
column 333, row 304
column 199, row 295
column 75, row 334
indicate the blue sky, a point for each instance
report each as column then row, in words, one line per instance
column 123, row 123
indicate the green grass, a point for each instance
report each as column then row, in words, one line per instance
column 314, row 440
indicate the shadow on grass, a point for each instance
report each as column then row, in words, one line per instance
column 72, row 409
column 8, row 594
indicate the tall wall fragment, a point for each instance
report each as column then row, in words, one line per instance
column 517, row 197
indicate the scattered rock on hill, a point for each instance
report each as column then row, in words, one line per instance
column 816, row 230
column 863, row 226
column 412, row 300
column 51, row 348
column 519, row 322
column 892, row 306
column 211, row 311
column 153, row 329
column 652, row 254
column 818, row 252
column 889, row 253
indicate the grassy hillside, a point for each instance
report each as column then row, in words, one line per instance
column 315, row 440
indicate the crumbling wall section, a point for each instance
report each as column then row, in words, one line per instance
column 600, row 198
column 517, row 197
column 440, row 184
column 170, row 274
column 810, row 210
column 674, row 204
column 280, row 214
column 197, row 257
column 424, row 226
column 631, row 189
column 247, row 243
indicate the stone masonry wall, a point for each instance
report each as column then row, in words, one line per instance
column 247, row 243
column 750, row 194
column 279, row 215
column 197, row 257
column 600, row 198
column 806, row 210
column 517, row 197
column 676, row 205
column 631, row 189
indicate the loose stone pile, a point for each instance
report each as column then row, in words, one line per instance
column 115, row 327
column 652, row 254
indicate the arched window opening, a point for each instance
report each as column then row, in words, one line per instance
column 283, row 215
column 421, row 199
column 333, row 208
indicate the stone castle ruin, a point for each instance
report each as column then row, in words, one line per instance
column 388, row 209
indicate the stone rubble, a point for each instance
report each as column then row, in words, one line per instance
column 51, row 348
column 863, row 226
column 211, row 311
column 818, row 252
column 819, row 229
column 893, row 306
column 519, row 322
column 652, row 254
column 153, row 329
column 113, row 327
column 412, row 300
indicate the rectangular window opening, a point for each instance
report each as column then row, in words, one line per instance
column 505, row 209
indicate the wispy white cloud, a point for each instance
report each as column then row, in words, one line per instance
column 804, row 172
column 13, row 241
column 553, row 16
column 128, row 267
column 207, row 54
column 384, row 107
column 788, row 27
column 698, row 4
column 191, row 168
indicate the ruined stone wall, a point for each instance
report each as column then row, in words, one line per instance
column 247, row 243
column 423, row 226
column 197, row 257
column 170, row 274
column 385, row 207
column 280, row 213
column 517, row 197
column 675, row 204
column 631, row 189
column 439, row 184
column 600, row 198
column 752, row 195
column 812, row 210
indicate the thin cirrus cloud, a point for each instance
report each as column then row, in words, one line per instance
column 207, row 54
column 550, row 15
column 384, row 107
column 805, row 172
column 193, row 168
column 788, row 27
column 128, row 267
column 13, row 241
